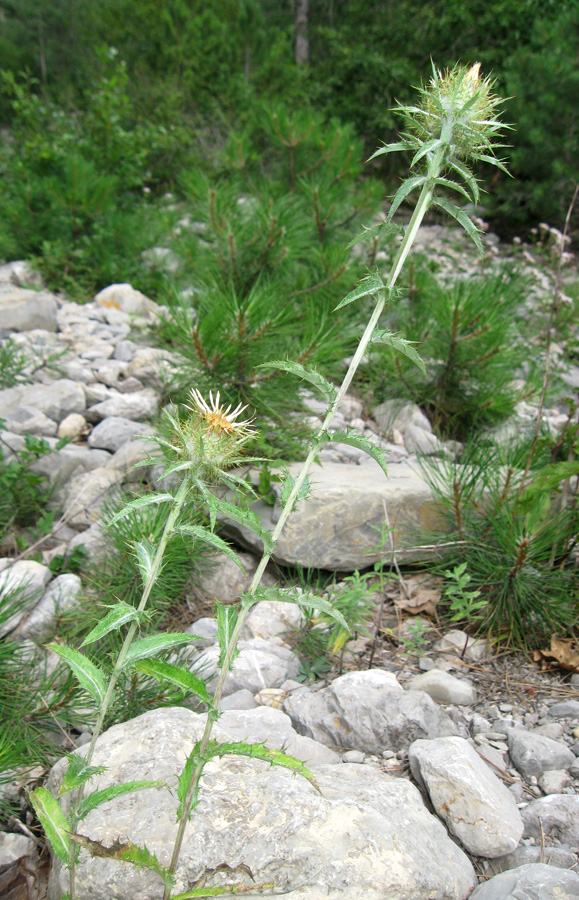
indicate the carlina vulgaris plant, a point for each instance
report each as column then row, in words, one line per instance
column 452, row 126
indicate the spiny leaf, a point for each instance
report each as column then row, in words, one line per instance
column 428, row 147
column 388, row 148
column 203, row 534
column 353, row 439
column 244, row 516
column 373, row 231
column 56, row 825
column 462, row 219
column 118, row 616
column 288, row 482
column 77, row 773
column 183, row 678
column 493, row 161
column 226, row 619
column 453, row 186
column 88, row 675
column 327, row 390
column 305, row 601
column 140, row 503
column 260, row 751
column 202, row 892
column 125, row 852
column 184, row 782
column 399, row 343
column 403, row 191
column 145, row 553
column 370, row 284
column 91, row 801
column 153, row 644
column 466, row 176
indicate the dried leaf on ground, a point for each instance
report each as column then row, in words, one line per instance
column 422, row 594
column 564, row 653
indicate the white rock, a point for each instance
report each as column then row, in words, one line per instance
column 443, row 687
column 72, row 426
column 23, row 310
column 125, row 298
column 554, row 816
column 259, row 665
column 20, row 273
column 554, row 781
column 26, row 580
column 221, row 579
column 61, row 595
column 454, row 642
column 535, row 882
column 114, row 431
column 423, row 442
column 476, row 807
column 534, row 754
column 27, row 420
column 85, row 495
column 398, row 414
column 365, row 835
column 140, row 405
column 269, row 619
column 13, row 846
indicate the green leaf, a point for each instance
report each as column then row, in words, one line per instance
column 140, row 503
column 305, row 601
column 288, row 482
column 550, row 477
column 466, row 176
column 370, row 284
column 327, row 390
column 153, row 644
column 462, row 219
column 95, row 799
column 203, row 534
column 353, row 439
column 246, row 517
column 118, row 616
column 453, row 186
column 428, row 147
column 126, row 852
column 184, row 782
column 77, row 773
column 145, row 553
column 183, row 678
column 388, row 148
column 56, row 825
column 260, row 751
column 373, row 231
column 403, row 191
column 493, row 161
column 226, row 620
column 214, row 891
column 399, row 343
column 91, row 678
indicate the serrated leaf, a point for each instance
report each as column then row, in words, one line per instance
column 370, row 284
column 373, row 231
column 215, row 891
column 56, row 825
column 140, row 503
column 260, row 751
column 91, row 678
column 288, row 482
column 226, row 620
column 388, row 148
column 145, row 553
column 91, row 801
column 399, row 343
column 203, row 534
column 453, row 186
column 125, row 852
column 305, row 601
column 118, row 616
column 77, row 773
column 403, row 191
column 327, row 390
column 462, row 219
column 182, row 678
column 466, row 176
column 353, row 439
column 244, row 516
column 493, row 161
column 155, row 643
column 433, row 144
column 184, row 782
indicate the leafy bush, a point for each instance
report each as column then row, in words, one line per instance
column 23, row 493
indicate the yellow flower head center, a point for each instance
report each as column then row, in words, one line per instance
column 217, row 418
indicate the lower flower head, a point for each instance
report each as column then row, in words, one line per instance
column 219, row 419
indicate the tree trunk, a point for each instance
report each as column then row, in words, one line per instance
column 302, row 54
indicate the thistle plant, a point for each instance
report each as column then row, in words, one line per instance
column 453, row 126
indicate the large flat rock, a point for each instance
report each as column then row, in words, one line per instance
column 338, row 526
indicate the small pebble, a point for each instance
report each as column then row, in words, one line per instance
column 353, row 756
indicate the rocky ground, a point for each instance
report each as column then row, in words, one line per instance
column 440, row 764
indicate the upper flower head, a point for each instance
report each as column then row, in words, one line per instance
column 219, row 419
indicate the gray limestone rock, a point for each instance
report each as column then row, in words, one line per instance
column 335, row 528
column 61, row 595
column 420, row 441
column 114, row 431
column 566, row 708
column 223, row 580
column 534, row 754
column 27, row 420
column 365, row 835
column 242, row 699
column 269, row 619
column 525, row 855
column 23, row 310
column 398, row 414
column 60, row 465
column 367, row 711
column 259, row 665
column 555, row 816
column 531, row 882
column 26, row 581
column 13, row 847
column 443, row 687
column 125, row 298
column 55, row 400
column 140, row 405
column 476, row 807
column 85, row 495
